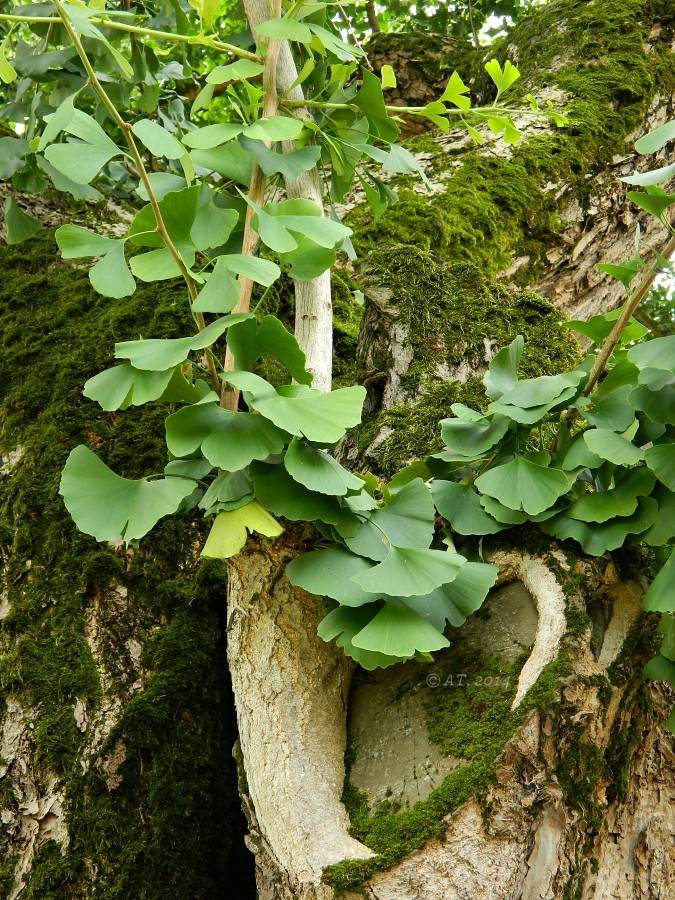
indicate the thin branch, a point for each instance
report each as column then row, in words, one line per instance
column 628, row 310
column 125, row 128
column 146, row 32
column 350, row 28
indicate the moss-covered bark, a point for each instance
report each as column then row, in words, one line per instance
column 117, row 659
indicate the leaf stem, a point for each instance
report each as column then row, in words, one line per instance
column 125, row 127
column 628, row 310
column 146, row 32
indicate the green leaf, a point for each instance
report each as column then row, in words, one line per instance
column 278, row 492
column 660, row 669
column 227, row 492
column 578, row 456
column 230, row 530
column 108, row 507
column 162, row 183
column 274, row 128
column 454, row 93
column 7, row 71
column 236, row 71
column 157, row 265
column 88, row 130
column 625, row 273
column 290, row 165
column 229, row 440
column 598, row 328
column 221, row 292
column 502, row 513
column 663, row 530
column 57, row 121
column 285, row 30
column 346, row 622
column 262, row 271
column 61, row 183
column 471, row 440
column 661, row 460
column 406, row 521
column 523, row 485
column 397, row 630
column 157, row 354
column 456, row 601
column 74, row 241
column 330, row 42
column 78, row 162
column 612, row 412
column 249, row 340
column 542, row 391
column 20, row 227
column 411, row 572
column 111, row 276
column 656, row 139
column 370, row 100
column 656, row 354
column 305, row 217
column 622, row 500
column 308, row 260
column 300, row 410
column 499, row 124
column 233, row 161
column 123, row 386
column 388, row 77
column 598, row 539
column 503, row 78
column 211, row 136
column 460, row 505
column 653, row 176
column 661, row 594
column 658, row 405
column 158, row 140
column 502, row 372
column 202, row 99
column 318, row 471
column 328, row 573
column 212, row 225
column 612, row 446
column 654, row 204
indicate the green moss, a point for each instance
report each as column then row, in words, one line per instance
column 473, row 721
column 493, row 210
column 452, row 314
column 166, row 828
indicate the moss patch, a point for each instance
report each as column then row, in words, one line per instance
column 167, row 828
column 452, row 315
column 472, row 721
column 492, row 210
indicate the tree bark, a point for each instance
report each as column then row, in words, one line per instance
column 526, row 833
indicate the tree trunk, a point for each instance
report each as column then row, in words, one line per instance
column 570, row 790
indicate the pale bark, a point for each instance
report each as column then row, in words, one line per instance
column 313, row 306
column 532, row 843
column 291, row 695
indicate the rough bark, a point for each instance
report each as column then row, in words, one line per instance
column 291, row 695
column 116, row 720
column 525, row 833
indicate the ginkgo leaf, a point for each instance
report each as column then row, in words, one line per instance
column 460, row 505
column 158, row 354
column 298, row 409
column 661, row 460
column 523, row 485
column 597, row 539
column 406, row 521
column 456, row 601
column 328, row 573
column 622, row 500
column 345, row 622
column 318, row 471
column 250, row 340
column 108, row 506
column 661, row 594
column 229, row 531
column 410, row 572
column 397, row 630
column 228, row 439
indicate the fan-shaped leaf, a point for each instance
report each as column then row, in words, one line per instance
column 523, row 485
column 230, row 530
